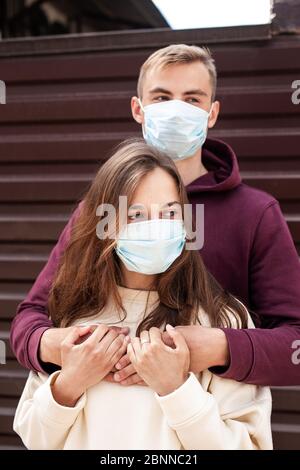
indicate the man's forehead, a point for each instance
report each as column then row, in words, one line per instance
column 185, row 78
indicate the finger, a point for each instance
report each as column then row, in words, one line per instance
column 98, row 334
column 109, row 339
column 178, row 338
column 117, row 349
column 121, row 329
column 136, row 344
column 132, row 380
column 117, row 355
column 142, row 383
column 116, row 344
column 131, row 353
column 166, row 338
column 145, row 338
column 109, row 378
column 123, row 362
column 155, row 335
column 87, row 331
column 76, row 333
column 124, row 373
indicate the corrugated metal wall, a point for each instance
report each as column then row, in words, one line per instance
column 68, row 104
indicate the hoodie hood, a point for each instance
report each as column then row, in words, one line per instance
column 223, row 169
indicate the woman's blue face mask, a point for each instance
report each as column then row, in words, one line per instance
column 151, row 246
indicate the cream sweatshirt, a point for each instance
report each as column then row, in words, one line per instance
column 206, row 412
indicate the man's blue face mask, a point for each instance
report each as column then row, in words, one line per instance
column 175, row 127
column 151, row 246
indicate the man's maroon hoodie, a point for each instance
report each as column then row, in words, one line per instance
column 249, row 250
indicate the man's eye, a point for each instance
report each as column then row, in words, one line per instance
column 161, row 98
column 193, row 100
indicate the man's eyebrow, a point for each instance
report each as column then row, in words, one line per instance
column 196, row 92
column 160, row 90
column 168, row 92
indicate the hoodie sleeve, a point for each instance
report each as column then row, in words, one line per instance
column 39, row 420
column 274, row 279
column 31, row 319
column 226, row 416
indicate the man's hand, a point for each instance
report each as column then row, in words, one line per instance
column 124, row 373
column 208, row 346
column 51, row 340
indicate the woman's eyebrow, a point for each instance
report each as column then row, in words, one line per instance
column 136, row 206
column 172, row 203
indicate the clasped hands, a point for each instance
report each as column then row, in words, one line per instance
column 160, row 360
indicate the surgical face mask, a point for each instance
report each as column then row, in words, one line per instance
column 151, row 246
column 175, row 127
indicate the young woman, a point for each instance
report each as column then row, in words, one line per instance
column 137, row 273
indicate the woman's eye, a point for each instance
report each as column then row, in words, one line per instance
column 170, row 214
column 135, row 216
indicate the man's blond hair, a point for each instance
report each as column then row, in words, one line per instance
column 179, row 54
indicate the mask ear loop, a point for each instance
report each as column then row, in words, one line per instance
column 209, row 115
column 142, row 107
column 210, row 110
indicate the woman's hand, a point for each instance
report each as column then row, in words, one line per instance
column 86, row 364
column 50, row 343
column 164, row 369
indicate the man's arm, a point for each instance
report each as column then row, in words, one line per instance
column 263, row 356
column 31, row 320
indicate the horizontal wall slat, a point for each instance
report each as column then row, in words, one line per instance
column 71, row 187
column 267, row 144
column 109, row 107
column 48, row 229
column 95, row 65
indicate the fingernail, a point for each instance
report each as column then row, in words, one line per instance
column 118, row 366
column 170, row 327
column 117, row 377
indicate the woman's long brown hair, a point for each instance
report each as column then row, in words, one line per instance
column 89, row 270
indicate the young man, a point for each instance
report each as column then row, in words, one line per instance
column 247, row 246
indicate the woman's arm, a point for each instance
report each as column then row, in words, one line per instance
column 49, row 406
column 40, row 421
column 240, row 420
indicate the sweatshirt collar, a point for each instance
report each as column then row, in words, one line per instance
column 222, row 165
column 137, row 295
